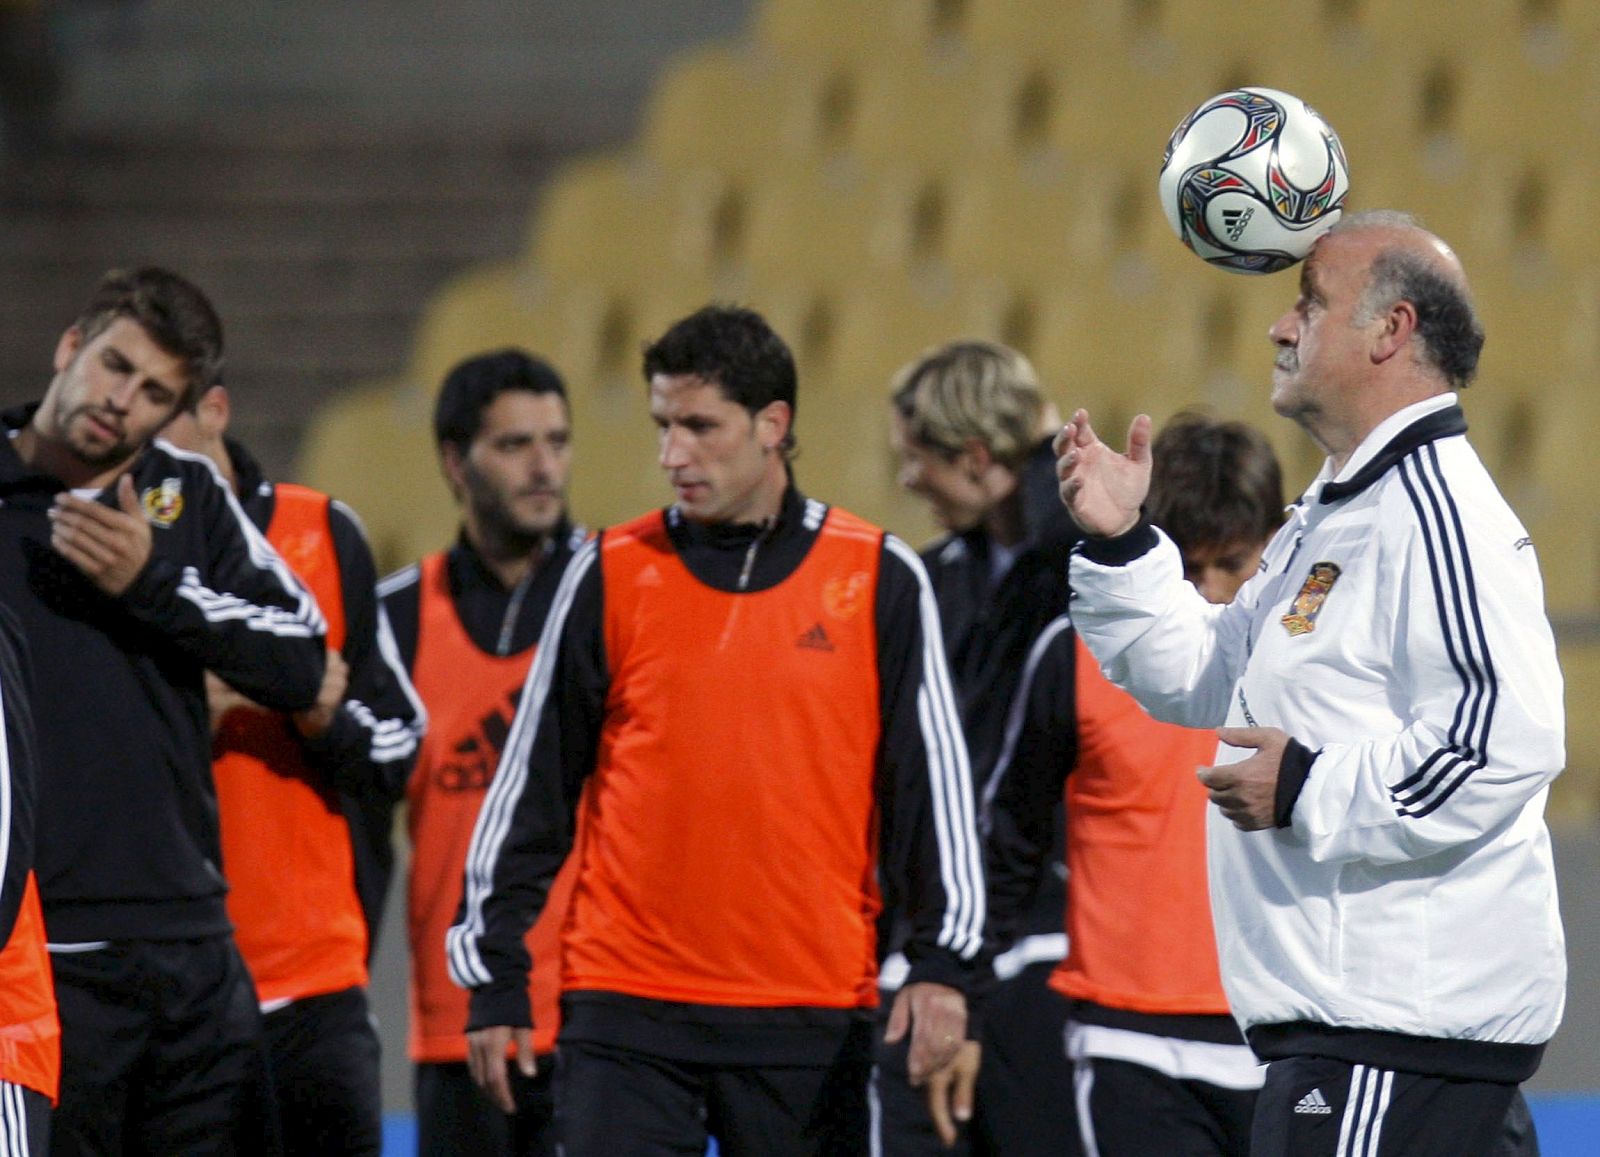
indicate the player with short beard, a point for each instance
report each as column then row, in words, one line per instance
column 133, row 571
column 466, row 622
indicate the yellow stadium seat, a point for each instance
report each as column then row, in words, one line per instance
column 881, row 324
column 1512, row 105
column 865, row 30
column 1039, row 223
column 1149, row 34
column 742, row 113
column 1424, row 31
column 839, row 223
column 373, row 449
column 1575, row 795
column 623, row 221
column 1119, row 350
column 487, row 307
column 945, row 114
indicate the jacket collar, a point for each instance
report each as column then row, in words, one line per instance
column 1395, row 437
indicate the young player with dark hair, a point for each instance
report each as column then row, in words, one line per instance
column 1159, row 1064
column 133, row 571
column 467, row 621
column 745, row 697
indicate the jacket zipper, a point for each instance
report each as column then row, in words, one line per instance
column 514, row 606
column 750, row 553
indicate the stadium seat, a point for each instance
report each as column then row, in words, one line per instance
column 881, row 324
column 487, row 307
column 1421, row 28
column 622, row 221
column 1040, row 223
column 945, row 115
column 1119, row 350
column 373, row 450
column 863, row 30
column 742, row 113
column 837, row 224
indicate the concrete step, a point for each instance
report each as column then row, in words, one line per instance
column 51, row 287
column 226, row 173
column 268, row 233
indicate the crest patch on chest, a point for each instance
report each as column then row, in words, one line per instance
column 1307, row 605
column 163, row 504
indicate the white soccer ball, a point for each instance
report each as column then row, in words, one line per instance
column 1252, row 178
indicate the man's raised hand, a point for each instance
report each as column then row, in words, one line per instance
column 1101, row 488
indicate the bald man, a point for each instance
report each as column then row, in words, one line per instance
column 1390, row 718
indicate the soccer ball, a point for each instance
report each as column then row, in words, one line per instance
column 1252, row 178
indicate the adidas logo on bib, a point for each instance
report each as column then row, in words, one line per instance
column 1314, row 1102
column 816, row 639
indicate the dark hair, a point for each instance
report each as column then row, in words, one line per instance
column 473, row 384
column 1214, row 483
column 1451, row 334
column 172, row 310
column 736, row 349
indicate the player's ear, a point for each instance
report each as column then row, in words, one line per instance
column 772, row 424
column 976, row 457
column 1399, row 323
column 452, row 464
column 67, row 348
column 213, row 410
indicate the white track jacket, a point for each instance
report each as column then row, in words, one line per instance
column 1406, row 915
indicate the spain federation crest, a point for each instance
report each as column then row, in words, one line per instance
column 163, row 504
column 1307, row 605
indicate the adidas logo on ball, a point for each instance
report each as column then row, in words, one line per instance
column 1235, row 220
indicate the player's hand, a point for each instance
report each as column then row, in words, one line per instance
column 1246, row 792
column 951, row 1089
column 109, row 545
column 1102, row 489
column 486, row 1061
column 936, row 1016
column 317, row 718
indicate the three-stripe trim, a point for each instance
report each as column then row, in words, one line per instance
column 949, row 775
column 13, row 1121
column 1361, row 1130
column 494, row 817
column 1466, row 642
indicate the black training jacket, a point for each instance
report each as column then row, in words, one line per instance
column 990, row 627
column 127, row 837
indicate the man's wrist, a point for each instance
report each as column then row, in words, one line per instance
column 494, row 1005
column 1120, row 549
column 1293, row 770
